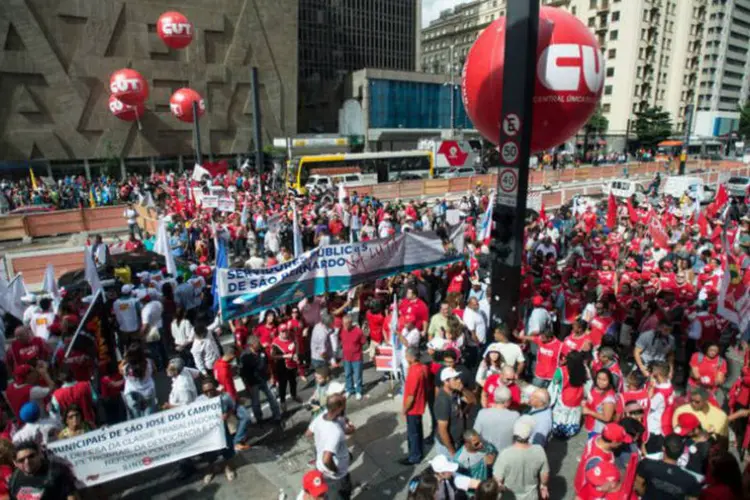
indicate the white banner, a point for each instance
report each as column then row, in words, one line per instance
column 333, row 268
column 145, row 443
column 226, row 205
column 210, row 201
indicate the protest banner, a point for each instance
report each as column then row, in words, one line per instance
column 209, row 201
column 384, row 358
column 226, row 205
column 333, row 268
column 113, row 452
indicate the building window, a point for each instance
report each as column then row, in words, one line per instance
column 613, row 35
column 615, row 16
column 592, row 4
column 611, row 53
column 573, row 10
column 608, row 90
column 610, row 71
column 592, row 22
column 606, row 108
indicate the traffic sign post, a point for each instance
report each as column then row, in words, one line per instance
column 519, row 80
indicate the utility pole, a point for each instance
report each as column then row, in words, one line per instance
column 509, row 213
column 197, row 135
column 686, row 140
column 257, row 124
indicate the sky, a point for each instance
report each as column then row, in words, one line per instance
column 431, row 9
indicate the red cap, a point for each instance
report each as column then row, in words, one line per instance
column 667, row 265
column 686, row 423
column 537, row 300
column 603, row 473
column 203, row 259
column 283, row 327
column 314, row 483
column 20, row 373
column 615, row 433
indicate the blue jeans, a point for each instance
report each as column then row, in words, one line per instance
column 255, row 391
column 353, row 374
column 243, row 424
column 414, row 438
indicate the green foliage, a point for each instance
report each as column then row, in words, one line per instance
column 744, row 130
column 598, row 123
column 652, row 126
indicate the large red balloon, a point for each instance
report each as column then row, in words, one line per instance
column 181, row 104
column 175, row 30
column 570, row 79
column 128, row 86
column 126, row 112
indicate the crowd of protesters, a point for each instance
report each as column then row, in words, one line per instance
column 618, row 337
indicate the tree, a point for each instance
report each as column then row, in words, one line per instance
column 652, row 126
column 744, row 130
column 597, row 124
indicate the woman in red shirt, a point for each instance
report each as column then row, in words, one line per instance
column 241, row 332
column 375, row 319
column 708, row 369
column 567, row 391
column 599, row 408
column 286, row 361
column 299, row 332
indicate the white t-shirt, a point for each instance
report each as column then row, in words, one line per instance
column 412, row 337
column 131, row 215
column 512, row 354
column 40, row 323
column 330, row 437
column 126, row 313
column 151, row 314
column 475, row 322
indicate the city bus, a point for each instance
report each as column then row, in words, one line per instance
column 384, row 166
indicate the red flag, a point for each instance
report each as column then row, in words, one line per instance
column 716, row 233
column 721, row 197
column 543, row 214
column 628, row 482
column 631, row 212
column 703, row 224
column 611, row 212
column 657, row 232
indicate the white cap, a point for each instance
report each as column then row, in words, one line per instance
column 144, row 276
column 193, row 267
column 441, row 464
column 126, row 289
column 523, row 427
column 447, row 374
column 335, row 388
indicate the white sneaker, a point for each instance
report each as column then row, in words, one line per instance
column 359, row 397
column 347, row 395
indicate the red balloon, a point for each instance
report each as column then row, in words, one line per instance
column 126, row 112
column 570, row 79
column 128, row 86
column 181, row 104
column 175, row 30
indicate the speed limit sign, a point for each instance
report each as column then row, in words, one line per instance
column 509, row 152
column 508, row 186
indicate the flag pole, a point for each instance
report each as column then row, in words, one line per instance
column 80, row 325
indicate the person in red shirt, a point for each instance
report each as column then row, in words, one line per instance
column 547, row 356
column 376, row 320
column 579, row 339
column 133, row 244
column 111, row 386
column 241, row 332
column 335, row 226
column 79, row 362
column 26, row 349
column 708, row 369
column 299, row 332
column 286, row 359
column 602, row 483
column 352, row 341
column 599, row 449
column 412, row 304
column 26, row 386
column 223, row 372
column 74, row 392
column 416, row 390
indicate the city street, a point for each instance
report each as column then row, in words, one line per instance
column 278, row 459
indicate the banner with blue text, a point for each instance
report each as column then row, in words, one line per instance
column 333, row 268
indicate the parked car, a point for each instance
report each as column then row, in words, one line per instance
column 625, row 188
column 677, row 185
column 461, row 172
column 738, row 186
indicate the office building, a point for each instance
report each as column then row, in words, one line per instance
column 337, row 37
column 56, row 58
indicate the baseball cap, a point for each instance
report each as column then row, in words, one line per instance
column 524, row 427
column 441, row 464
column 615, row 433
column 686, row 423
column 29, row 412
column 314, row 483
column 603, row 473
column 447, row 374
column 537, row 300
column 126, row 289
column 335, row 388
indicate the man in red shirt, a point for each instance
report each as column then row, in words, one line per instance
column 415, row 398
column 413, row 305
column 223, row 371
column 26, row 349
column 599, row 449
column 352, row 341
column 74, row 392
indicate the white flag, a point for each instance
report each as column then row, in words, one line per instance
column 15, row 298
column 162, row 247
column 396, row 364
column 49, row 285
column 199, row 172
column 342, row 193
column 485, row 224
column 89, row 271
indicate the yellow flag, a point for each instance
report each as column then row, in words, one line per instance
column 33, row 179
column 92, row 200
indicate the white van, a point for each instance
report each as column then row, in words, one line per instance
column 677, row 185
column 625, row 188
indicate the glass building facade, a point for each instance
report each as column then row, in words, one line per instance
column 415, row 105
